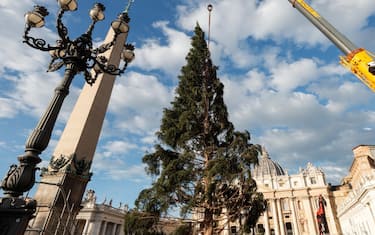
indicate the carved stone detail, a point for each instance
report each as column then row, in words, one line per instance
column 69, row 164
column 57, row 163
column 82, row 167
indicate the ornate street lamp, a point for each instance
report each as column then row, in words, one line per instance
column 77, row 56
column 78, row 53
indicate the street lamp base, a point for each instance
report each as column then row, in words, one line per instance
column 15, row 214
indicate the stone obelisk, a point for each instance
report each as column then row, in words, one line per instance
column 62, row 186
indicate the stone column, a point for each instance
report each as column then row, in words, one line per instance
column 89, row 227
column 281, row 219
column 371, row 207
column 87, row 222
column 330, row 217
column 114, row 229
column 104, row 230
column 294, row 216
column 310, row 216
column 274, row 216
column 266, row 224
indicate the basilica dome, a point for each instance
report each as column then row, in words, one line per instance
column 267, row 167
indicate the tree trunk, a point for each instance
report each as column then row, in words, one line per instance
column 208, row 212
column 208, row 222
column 208, row 231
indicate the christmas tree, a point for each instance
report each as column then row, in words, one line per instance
column 202, row 165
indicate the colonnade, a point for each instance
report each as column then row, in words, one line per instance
column 281, row 216
column 102, row 228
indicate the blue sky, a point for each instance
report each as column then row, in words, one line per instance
column 282, row 78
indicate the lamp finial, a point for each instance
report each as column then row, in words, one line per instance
column 128, row 6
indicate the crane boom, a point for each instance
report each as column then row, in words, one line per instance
column 357, row 60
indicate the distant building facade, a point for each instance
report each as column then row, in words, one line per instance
column 293, row 200
column 104, row 219
column 355, row 198
column 99, row 219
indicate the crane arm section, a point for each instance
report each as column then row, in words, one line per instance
column 357, row 60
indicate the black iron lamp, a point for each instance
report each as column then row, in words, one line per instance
column 78, row 52
column 77, row 56
column 68, row 5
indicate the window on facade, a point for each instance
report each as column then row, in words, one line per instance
column 272, row 231
column 303, row 226
column 295, row 183
column 299, row 203
column 316, row 202
column 281, row 183
column 260, row 229
column 312, row 180
column 268, row 207
column 233, row 230
column 285, row 204
column 289, row 230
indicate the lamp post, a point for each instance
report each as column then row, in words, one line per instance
column 77, row 56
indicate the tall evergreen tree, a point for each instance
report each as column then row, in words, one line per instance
column 201, row 163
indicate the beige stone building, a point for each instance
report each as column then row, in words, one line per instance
column 99, row 219
column 293, row 200
column 355, row 198
column 105, row 219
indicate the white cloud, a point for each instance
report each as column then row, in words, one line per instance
column 7, row 108
column 2, row 144
column 24, row 67
column 168, row 56
column 334, row 174
column 117, row 169
column 16, row 55
column 233, row 22
column 138, row 91
column 138, row 101
column 118, row 147
column 302, row 111
column 149, row 139
column 287, row 77
column 349, row 17
column 134, row 173
column 31, row 93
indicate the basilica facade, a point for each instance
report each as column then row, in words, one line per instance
column 293, row 200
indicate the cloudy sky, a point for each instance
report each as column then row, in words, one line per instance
column 283, row 82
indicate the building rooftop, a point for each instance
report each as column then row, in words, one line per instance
column 267, row 167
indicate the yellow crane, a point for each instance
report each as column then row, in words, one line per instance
column 357, row 60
